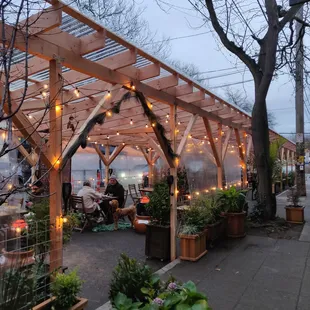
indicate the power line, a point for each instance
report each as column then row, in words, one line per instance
column 236, row 83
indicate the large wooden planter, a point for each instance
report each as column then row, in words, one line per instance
column 215, row 231
column 157, row 242
column 140, row 223
column 295, row 215
column 46, row 305
column 236, row 225
column 193, row 247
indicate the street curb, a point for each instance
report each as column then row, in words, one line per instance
column 160, row 272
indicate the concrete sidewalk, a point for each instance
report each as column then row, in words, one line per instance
column 252, row 274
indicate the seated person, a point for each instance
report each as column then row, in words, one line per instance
column 37, row 188
column 89, row 196
column 115, row 189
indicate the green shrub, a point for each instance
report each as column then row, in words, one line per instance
column 65, row 288
column 232, row 200
column 159, row 205
column 129, row 277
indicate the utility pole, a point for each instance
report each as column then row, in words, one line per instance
column 299, row 104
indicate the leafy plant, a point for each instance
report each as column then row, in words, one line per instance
column 291, row 178
column 159, row 205
column 16, row 288
column 65, row 288
column 275, row 163
column 195, row 219
column 72, row 220
column 122, row 302
column 129, row 277
column 293, row 197
column 232, row 200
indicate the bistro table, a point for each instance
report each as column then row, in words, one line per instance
column 146, row 189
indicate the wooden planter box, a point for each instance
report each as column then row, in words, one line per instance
column 215, row 231
column 193, row 247
column 46, row 305
column 295, row 215
column 236, row 225
column 157, row 242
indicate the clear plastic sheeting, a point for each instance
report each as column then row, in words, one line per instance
column 232, row 166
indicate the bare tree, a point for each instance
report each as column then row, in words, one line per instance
column 261, row 35
column 240, row 99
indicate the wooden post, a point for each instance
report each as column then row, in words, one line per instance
column 286, row 167
column 55, row 143
column 107, row 166
column 173, row 172
column 219, row 151
column 151, row 168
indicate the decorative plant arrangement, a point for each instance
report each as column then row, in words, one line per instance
column 146, row 291
column 157, row 239
column 294, row 211
column 65, row 289
column 193, row 233
column 234, row 203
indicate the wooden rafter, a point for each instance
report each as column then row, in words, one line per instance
column 226, row 142
column 211, row 140
column 186, row 133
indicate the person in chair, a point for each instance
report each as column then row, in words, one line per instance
column 116, row 190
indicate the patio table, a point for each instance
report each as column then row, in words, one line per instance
column 146, row 189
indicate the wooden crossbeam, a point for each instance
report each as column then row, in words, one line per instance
column 240, row 149
column 146, row 156
column 211, row 140
column 46, row 50
column 24, row 152
column 101, row 155
column 187, row 131
column 226, row 142
column 115, row 153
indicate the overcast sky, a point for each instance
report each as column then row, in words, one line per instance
column 205, row 52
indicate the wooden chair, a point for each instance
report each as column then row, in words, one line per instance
column 125, row 198
column 133, row 193
column 88, row 220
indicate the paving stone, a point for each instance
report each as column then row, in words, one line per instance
column 269, row 280
column 280, row 264
column 303, row 303
column 296, row 248
column 262, row 298
column 305, row 286
column 256, row 244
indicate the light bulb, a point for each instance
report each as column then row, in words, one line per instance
column 166, row 121
column 44, row 94
column 30, row 116
column 117, row 133
column 18, row 230
column 131, row 122
column 179, row 123
column 108, row 137
column 153, row 124
column 57, row 108
column 109, row 113
column 205, row 137
column 65, row 220
column 146, row 125
column 167, row 115
column 45, row 86
column 88, row 138
column 77, row 92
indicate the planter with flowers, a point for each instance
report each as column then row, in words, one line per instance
column 193, row 233
column 157, row 238
column 133, row 287
column 234, row 202
column 294, row 211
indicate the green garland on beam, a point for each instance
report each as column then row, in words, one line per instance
column 153, row 119
column 97, row 119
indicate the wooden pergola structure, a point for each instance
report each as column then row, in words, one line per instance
column 79, row 69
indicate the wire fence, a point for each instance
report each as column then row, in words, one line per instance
column 29, row 251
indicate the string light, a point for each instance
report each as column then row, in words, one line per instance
column 131, row 122
column 132, row 86
column 45, row 86
column 146, row 126
column 167, row 116
column 117, row 133
column 88, row 138
column 57, row 108
column 179, row 123
column 190, row 136
column 123, row 143
column 30, row 116
column 77, row 92
column 57, row 162
column 153, row 124
column 10, row 186
column 205, row 137
column 108, row 137
column 109, row 93
column 18, row 230
column 44, row 94
column 101, row 144
column 95, row 142
column 167, row 121
column 65, row 220
column 109, row 113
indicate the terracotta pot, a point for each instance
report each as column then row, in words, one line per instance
column 193, row 247
column 81, row 305
column 295, row 215
column 22, row 257
column 140, row 223
column 236, row 225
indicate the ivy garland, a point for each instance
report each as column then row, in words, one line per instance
column 154, row 120
column 100, row 118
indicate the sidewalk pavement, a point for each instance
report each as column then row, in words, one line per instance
column 252, row 274
column 256, row 272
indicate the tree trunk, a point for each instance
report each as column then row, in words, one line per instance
column 260, row 137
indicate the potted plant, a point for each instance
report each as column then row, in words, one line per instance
column 233, row 201
column 193, row 233
column 294, row 211
column 65, row 289
column 157, row 239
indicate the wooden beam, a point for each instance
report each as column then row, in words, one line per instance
column 115, row 153
column 102, row 157
column 55, row 181
column 156, row 147
column 145, row 155
column 219, row 152
column 186, row 133
column 226, row 142
column 212, row 144
column 24, row 152
column 174, row 187
column 46, row 50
